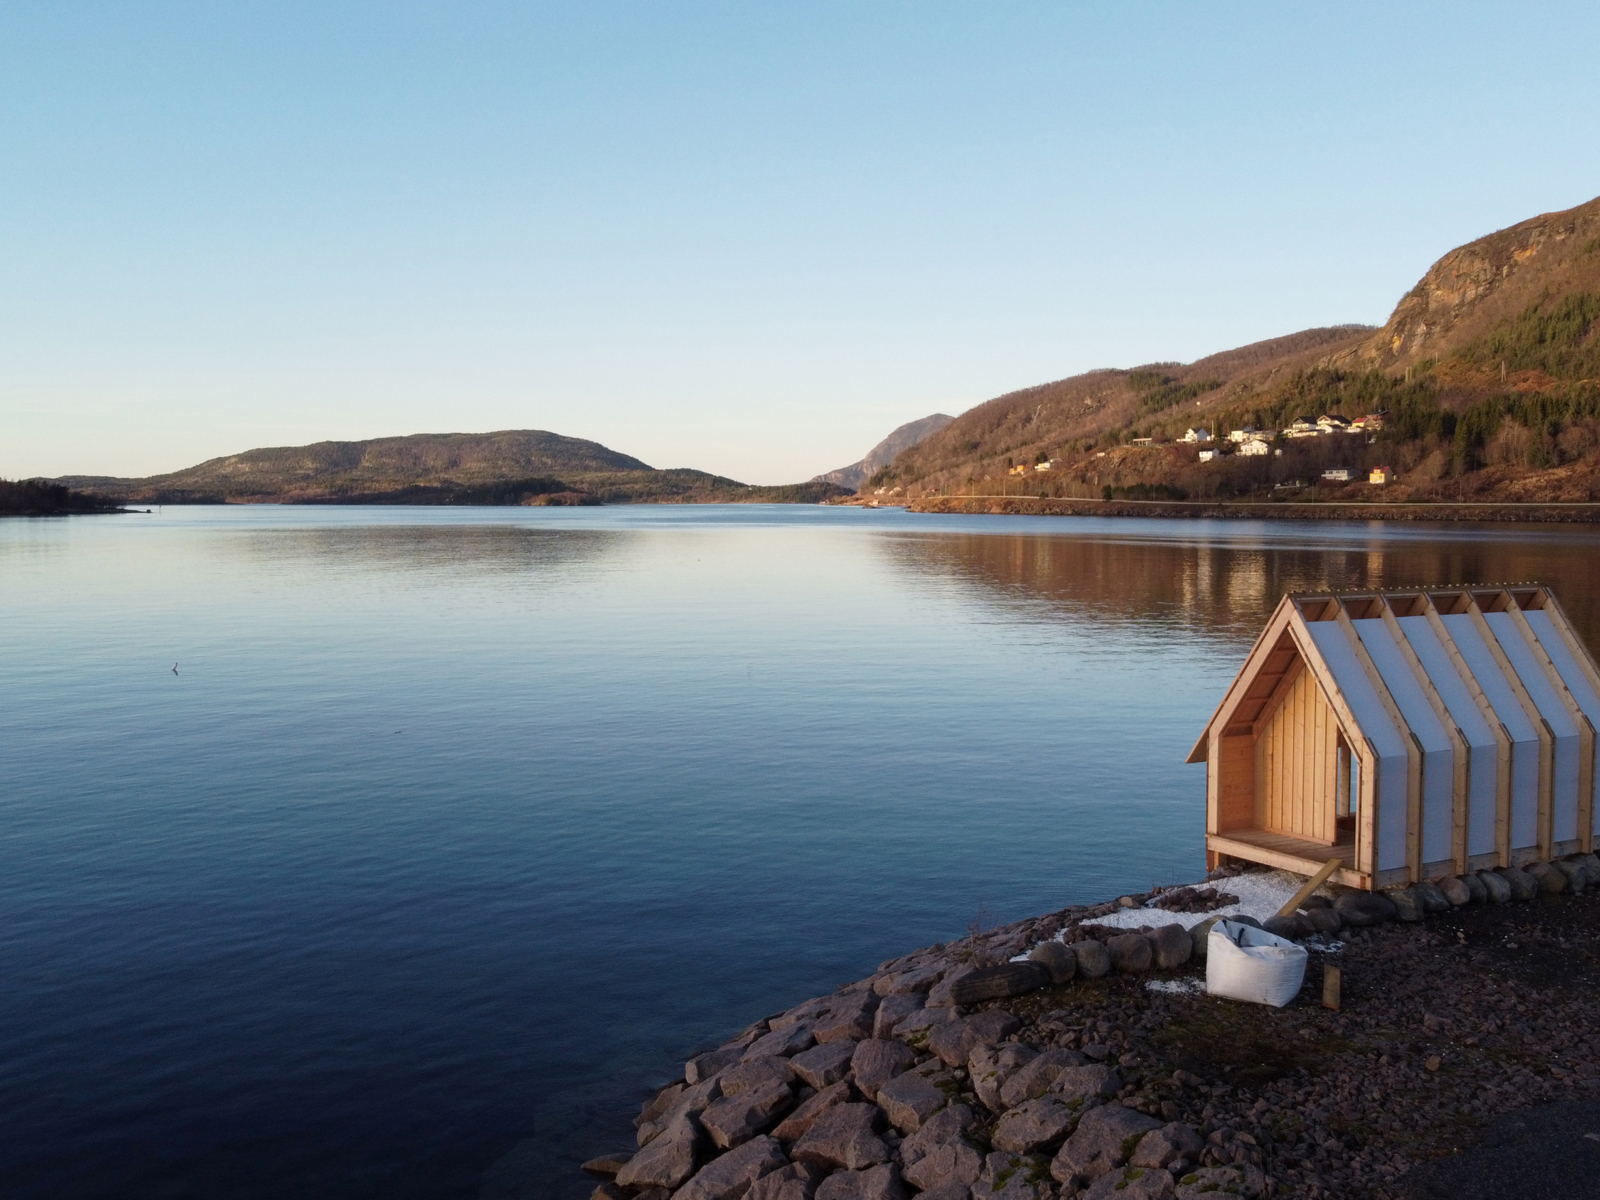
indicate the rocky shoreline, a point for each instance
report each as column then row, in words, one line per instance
column 1331, row 510
column 1076, row 1055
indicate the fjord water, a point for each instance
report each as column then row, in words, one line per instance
column 456, row 829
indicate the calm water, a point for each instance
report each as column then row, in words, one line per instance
column 458, row 828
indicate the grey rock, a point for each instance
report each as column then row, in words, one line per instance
column 1165, row 1146
column 1549, row 879
column 1032, row 1125
column 1324, row 920
column 791, row 1039
column 703, row 1066
column 849, row 1020
column 797, row 1181
column 1096, row 1081
column 690, row 1102
column 610, row 1191
column 1103, row 1140
column 1036, row 1077
column 756, row 1073
column 1134, row 1183
column 807, row 1010
column 910, row 1099
column 1000, row 983
column 1243, row 919
column 1295, row 927
column 939, row 1154
column 1475, row 888
column 1496, row 886
column 1407, row 905
column 1361, row 909
column 824, row 1065
column 1523, row 886
column 954, row 1042
column 730, row 1177
column 1454, row 890
column 1096, row 1052
column 658, row 1104
column 1171, row 946
column 892, row 1010
column 1130, row 952
column 1315, row 900
column 947, row 1191
column 989, row 1066
column 1200, row 937
column 734, row 1120
column 668, row 1160
column 875, row 1183
column 939, row 994
column 1577, row 878
column 1591, row 867
column 843, row 1136
column 797, row 1123
column 918, row 979
column 1057, row 958
column 1011, row 1176
column 1093, row 958
column 1433, row 899
column 916, row 1029
column 876, row 1061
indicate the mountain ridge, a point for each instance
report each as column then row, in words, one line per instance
column 900, row 439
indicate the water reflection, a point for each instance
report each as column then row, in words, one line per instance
column 1221, row 582
column 436, row 551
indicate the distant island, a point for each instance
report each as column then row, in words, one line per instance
column 508, row 467
column 41, row 498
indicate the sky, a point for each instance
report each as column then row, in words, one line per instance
column 749, row 238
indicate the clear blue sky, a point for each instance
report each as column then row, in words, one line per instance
column 745, row 237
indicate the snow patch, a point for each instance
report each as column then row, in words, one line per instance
column 1191, row 986
column 1261, row 894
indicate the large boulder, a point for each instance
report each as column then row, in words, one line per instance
column 1200, row 937
column 919, row 1026
column 731, row 1176
column 1105, row 1138
column 1007, row 1175
column 843, row 1136
column 797, row 1181
column 938, row 1154
column 999, row 983
column 1057, row 958
column 939, row 995
column 1473, row 882
column 1093, row 1082
column 1361, row 909
column 690, row 1102
column 669, row 1158
column 878, row 1060
column 911, row 1098
column 1093, row 959
column 1210, row 1183
column 703, row 1066
column 1130, row 952
column 1295, row 926
column 1550, row 880
column 893, row 1010
column 797, row 1123
column 1523, row 886
column 1037, row 1077
column 917, row 979
column 875, row 1183
column 1496, row 886
column 954, row 1042
column 850, row 1019
column 989, row 1066
column 1171, row 945
column 1324, row 920
column 789, row 1040
column 1454, row 890
column 1431, row 896
column 1407, row 905
column 658, row 1105
column 1167, row 1145
column 1032, row 1125
column 1134, row 1183
column 822, row 1065
column 1577, row 879
column 755, row 1073
column 734, row 1120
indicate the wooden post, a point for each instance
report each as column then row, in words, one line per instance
column 1330, row 986
column 1311, row 885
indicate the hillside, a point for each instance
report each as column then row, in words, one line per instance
column 1488, row 372
column 881, row 455
column 517, row 466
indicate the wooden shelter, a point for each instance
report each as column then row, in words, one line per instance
column 1408, row 734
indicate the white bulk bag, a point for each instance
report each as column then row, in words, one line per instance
column 1246, row 963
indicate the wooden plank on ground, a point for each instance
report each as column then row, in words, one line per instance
column 1312, row 884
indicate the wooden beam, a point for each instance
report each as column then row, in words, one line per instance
column 1311, row 885
column 1247, row 673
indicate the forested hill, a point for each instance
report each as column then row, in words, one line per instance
column 516, row 466
column 1487, row 373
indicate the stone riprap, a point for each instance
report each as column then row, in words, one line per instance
column 1037, row 1062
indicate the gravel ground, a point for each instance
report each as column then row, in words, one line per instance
column 1445, row 1026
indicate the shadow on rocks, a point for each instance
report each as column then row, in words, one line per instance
column 1550, row 1152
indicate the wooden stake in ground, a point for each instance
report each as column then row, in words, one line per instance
column 1312, row 884
column 1330, row 986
